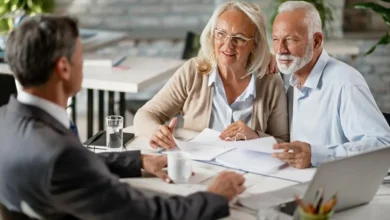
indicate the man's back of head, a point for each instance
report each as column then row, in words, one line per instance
column 45, row 54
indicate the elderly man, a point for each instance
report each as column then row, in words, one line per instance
column 46, row 173
column 332, row 111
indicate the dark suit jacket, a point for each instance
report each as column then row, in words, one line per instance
column 44, row 165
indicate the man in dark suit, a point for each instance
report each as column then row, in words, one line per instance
column 46, row 173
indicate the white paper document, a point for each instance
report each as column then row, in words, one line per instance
column 264, row 145
column 294, row 174
column 250, row 161
column 251, row 156
column 203, row 148
column 207, row 145
column 208, row 136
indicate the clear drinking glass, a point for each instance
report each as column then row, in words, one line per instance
column 114, row 132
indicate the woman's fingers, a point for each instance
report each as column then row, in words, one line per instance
column 168, row 133
column 160, row 140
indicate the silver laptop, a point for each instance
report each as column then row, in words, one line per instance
column 355, row 180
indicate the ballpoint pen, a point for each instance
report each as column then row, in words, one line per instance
column 119, row 61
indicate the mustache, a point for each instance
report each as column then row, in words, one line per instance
column 285, row 57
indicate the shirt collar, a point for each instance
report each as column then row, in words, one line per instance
column 314, row 77
column 54, row 110
column 250, row 90
column 213, row 76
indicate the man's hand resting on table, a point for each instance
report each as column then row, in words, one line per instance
column 228, row 185
column 155, row 164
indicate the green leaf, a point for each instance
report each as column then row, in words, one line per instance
column 386, row 18
column 385, row 39
column 371, row 50
column 381, row 10
column 30, row 3
column 373, row 6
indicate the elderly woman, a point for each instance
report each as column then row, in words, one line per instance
column 225, row 88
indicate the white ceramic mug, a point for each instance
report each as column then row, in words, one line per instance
column 179, row 167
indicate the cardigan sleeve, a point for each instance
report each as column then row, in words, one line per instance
column 167, row 103
column 277, row 124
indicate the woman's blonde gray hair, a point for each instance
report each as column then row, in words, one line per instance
column 259, row 57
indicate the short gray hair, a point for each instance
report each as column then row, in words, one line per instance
column 258, row 60
column 34, row 47
column 312, row 17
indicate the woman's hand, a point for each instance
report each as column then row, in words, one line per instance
column 163, row 137
column 238, row 127
column 272, row 66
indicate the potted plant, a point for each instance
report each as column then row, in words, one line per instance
column 12, row 11
column 385, row 14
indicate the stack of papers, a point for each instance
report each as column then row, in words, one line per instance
column 263, row 145
column 250, row 161
column 207, row 145
column 251, row 156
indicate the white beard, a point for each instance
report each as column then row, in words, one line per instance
column 297, row 62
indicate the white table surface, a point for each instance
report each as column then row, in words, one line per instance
column 100, row 38
column 143, row 72
column 205, row 174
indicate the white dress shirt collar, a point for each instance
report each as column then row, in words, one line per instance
column 250, row 90
column 314, row 77
column 52, row 109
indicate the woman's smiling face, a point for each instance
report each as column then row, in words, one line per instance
column 233, row 38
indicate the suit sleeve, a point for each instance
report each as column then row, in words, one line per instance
column 123, row 164
column 82, row 186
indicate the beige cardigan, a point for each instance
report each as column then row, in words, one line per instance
column 188, row 92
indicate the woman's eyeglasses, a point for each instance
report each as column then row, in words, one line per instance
column 222, row 36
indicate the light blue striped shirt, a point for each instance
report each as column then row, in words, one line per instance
column 223, row 114
column 334, row 111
